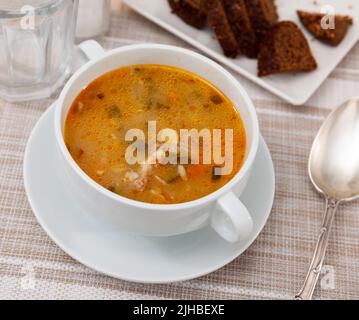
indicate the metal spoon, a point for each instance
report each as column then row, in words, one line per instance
column 334, row 172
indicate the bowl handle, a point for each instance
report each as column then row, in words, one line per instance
column 231, row 219
column 92, row 49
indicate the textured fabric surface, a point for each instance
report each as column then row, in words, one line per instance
column 272, row 268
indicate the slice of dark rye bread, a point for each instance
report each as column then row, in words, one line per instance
column 263, row 15
column 221, row 27
column 241, row 26
column 284, row 48
column 313, row 22
column 192, row 12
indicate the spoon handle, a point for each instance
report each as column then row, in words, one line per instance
column 315, row 268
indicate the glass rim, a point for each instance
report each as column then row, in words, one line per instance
column 17, row 12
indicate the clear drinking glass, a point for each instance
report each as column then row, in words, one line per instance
column 36, row 46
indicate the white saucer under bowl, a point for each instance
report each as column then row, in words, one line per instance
column 122, row 255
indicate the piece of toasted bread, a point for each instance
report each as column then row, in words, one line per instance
column 313, row 22
column 220, row 25
column 190, row 11
column 263, row 15
column 242, row 28
column 284, row 48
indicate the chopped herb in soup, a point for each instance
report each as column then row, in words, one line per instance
column 134, row 98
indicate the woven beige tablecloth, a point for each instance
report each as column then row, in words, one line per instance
column 272, row 268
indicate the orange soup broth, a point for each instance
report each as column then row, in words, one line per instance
column 128, row 98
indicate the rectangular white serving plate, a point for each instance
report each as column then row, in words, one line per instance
column 294, row 88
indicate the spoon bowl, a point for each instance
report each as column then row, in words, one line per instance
column 334, row 158
column 334, row 171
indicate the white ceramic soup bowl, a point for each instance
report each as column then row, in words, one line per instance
column 221, row 209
